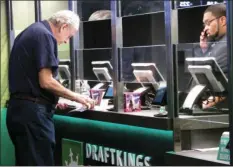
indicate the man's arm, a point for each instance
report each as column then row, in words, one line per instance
column 202, row 49
column 219, row 52
column 49, row 83
column 212, row 101
column 200, row 52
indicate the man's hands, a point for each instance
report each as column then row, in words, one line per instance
column 211, row 101
column 88, row 102
column 203, row 40
column 61, row 106
column 84, row 100
column 49, row 83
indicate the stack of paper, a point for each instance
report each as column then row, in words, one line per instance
column 78, row 106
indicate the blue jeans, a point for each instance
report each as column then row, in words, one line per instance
column 31, row 129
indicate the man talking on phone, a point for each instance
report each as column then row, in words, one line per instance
column 213, row 41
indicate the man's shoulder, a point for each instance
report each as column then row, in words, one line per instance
column 41, row 32
column 39, row 28
column 34, row 30
column 223, row 38
column 221, row 43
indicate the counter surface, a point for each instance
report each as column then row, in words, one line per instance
column 193, row 158
column 203, row 122
column 143, row 118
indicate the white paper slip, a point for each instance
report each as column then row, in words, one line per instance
column 78, row 106
column 99, row 108
column 207, row 149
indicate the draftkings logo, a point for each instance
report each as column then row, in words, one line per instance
column 72, row 153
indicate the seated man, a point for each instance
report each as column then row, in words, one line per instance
column 213, row 37
column 213, row 42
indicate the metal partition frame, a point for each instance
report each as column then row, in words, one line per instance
column 230, row 71
column 170, row 42
column 116, row 28
column 72, row 7
column 171, row 39
column 37, row 10
column 78, row 44
column 10, row 24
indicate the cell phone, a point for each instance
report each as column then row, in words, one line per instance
column 209, row 39
column 205, row 34
column 71, row 106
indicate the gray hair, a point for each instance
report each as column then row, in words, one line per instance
column 65, row 17
column 100, row 15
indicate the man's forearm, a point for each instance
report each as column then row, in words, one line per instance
column 59, row 90
column 200, row 52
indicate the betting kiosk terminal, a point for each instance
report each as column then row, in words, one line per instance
column 65, row 76
column 153, row 88
column 208, row 77
column 103, row 71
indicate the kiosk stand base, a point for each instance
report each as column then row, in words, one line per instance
column 192, row 97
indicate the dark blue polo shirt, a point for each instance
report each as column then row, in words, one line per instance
column 34, row 48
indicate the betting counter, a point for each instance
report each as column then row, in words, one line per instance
column 112, row 138
column 135, row 135
column 126, row 133
column 201, row 134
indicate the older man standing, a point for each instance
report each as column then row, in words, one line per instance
column 34, row 89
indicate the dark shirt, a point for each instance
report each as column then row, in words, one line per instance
column 34, row 48
column 216, row 49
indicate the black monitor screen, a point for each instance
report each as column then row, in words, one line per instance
column 155, row 73
column 144, row 79
column 101, row 77
column 103, row 65
column 146, row 82
column 210, row 62
column 160, row 95
column 215, row 69
column 109, row 92
column 202, row 79
column 63, row 75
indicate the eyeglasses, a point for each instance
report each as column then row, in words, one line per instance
column 209, row 22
